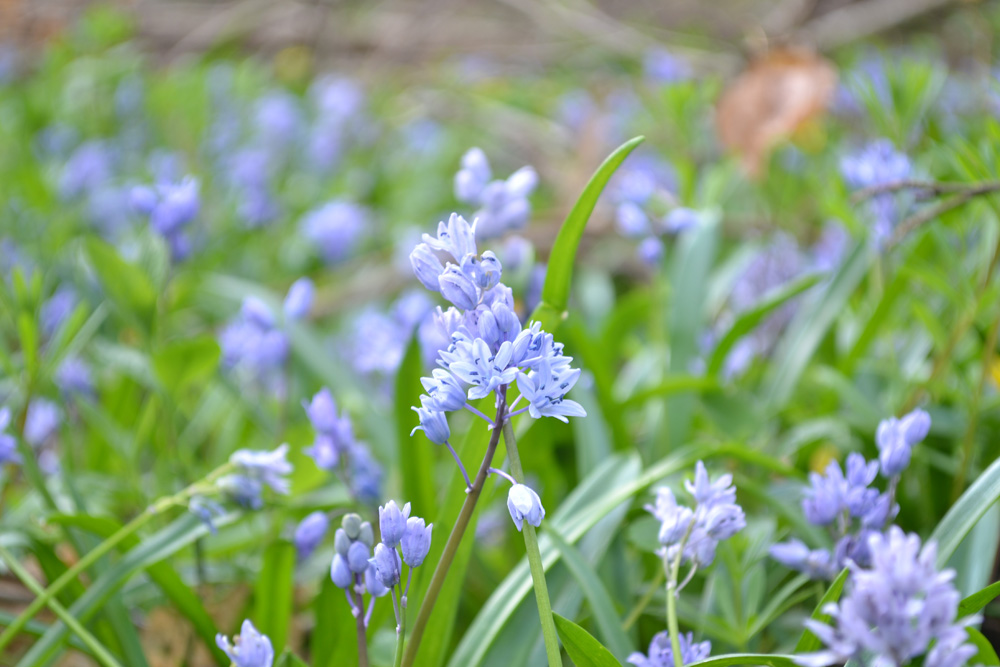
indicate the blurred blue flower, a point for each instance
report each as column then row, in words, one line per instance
column 8, row 445
column 309, row 533
column 651, row 251
column 249, row 648
column 299, row 299
column 90, row 166
column 335, row 228
column 57, row 308
column 893, row 611
column 680, row 220
column 878, row 163
column 661, row 652
column 207, row 510
column 74, row 377
column 269, row 467
column 896, row 438
column 366, row 475
column 41, row 422
column 816, row 563
column 277, row 119
column 631, row 220
column 170, row 206
column 661, row 66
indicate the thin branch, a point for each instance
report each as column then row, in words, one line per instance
column 931, row 212
column 932, row 187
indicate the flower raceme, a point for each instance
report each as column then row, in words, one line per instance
column 489, row 350
column 661, row 653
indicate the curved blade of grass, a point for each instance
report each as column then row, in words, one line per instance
column 966, row 512
column 583, row 649
column 810, row 326
column 751, row 318
column 559, row 274
column 978, row 600
column 162, row 574
column 747, row 659
column 273, row 592
column 809, row 642
column 416, row 457
column 987, row 655
column 179, row 534
column 601, row 604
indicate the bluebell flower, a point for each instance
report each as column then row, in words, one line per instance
column 878, row 163
column 90, row 166
column 242, row 489
column 524, row 505
column 680, row 220
column 416, row 541
column 251, row 343
column 650, row 251
column 338, row 97
column 631, row 220
column 277, row 118
column 444, row 390
column 896, row 437
column 517, row 252
column 41, row 422
column 357, row 557
column 392, row 522
column 475, row 364
column 674, row 519
column 546, row 388
column 57, row 308
column 472, row 178
column 661, row 652
column 825, row 499
column 74, row 377
column 8, row 445
column 661, row 66
column 170, row 206
column 309, row 533
column 372, row 583
column 816, row 563
column 336, row 228
column 831, row 247
column 504, row 205
column 639, row 177
column 249, row 648
column 270, row 467
column 456, row 287
column 340, row 573
column 483, row 270
column 456, row 237
column 433, row 423
column 299, row 299
column 893, row 610
column 207, row 510
column 388, row 566
column 426, row 266
column 366, row 474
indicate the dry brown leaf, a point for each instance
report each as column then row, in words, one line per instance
column 776, row 95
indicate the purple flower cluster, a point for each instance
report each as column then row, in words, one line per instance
column 503, row 204
column 336, row 449
column 335, row 228
column 895, row 609
column 488, row 349
column 695, row 534
column 249, row 648
column 256, row 469
column 661, row 653
column 170, row 208
column 377, row 340
column 255, row 346
column 846, row 503
column 879, row 163
column 360, row 565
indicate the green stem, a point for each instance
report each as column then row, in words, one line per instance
column 534, row 559
column 100, row 653
column 67, row 577
column 359, row 621
column 401, row 631
column 644, row 602
column 672, row 626
column 451, row 548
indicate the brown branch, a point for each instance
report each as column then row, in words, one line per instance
column 933, row 187
column 929, row 213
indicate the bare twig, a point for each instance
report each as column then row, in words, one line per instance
column 863, row 19
column 933, row 187
column 931, row 212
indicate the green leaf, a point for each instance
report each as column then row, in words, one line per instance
column 601, row 604
column 583, row 649
column 127, row 285
column 337, row 643
column 987, row 655
column 289, row 659
column 975, row 602
column 559, row 274
column 416, row 455
column 751, row 318
column 162, row 574
column 810, row 326
column 273, row 593
column 686, row 314
column 747, row 659
column 966, row 512
column 150, row 551
column 186, row 362
column 27, row 328
column 808, row 642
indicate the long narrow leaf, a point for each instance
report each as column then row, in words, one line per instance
column 583, row 649
column 966, row 512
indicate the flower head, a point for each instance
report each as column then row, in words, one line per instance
column 416, row 541
column 249, row 648
column 392, row 522
column 309, row 533
column 299, row 299
column 269, row 467
column 661, row 653
column 896, row 437
column 335, row 228
column 388, row 567
column 524, row 505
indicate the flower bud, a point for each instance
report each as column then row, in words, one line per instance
column 915, row 426
column 426, row 266
column 457, row 288
column 367, row 535
column 524, row 504
column 340, row 573
column 372, row 584
column 444, row 391
column 416, row 541
column 392, row 522
column 351, row 523
column 357, row 557
column 309, row 533
column 299, row 299
column 433, row 423
column 388, row 567
column 341, row 542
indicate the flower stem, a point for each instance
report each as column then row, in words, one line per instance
column 451, row 547
column 359, row 622
column 100, row 652
column 45, row 597
column 534, row 560
column 672, row 626
column 400, row 632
